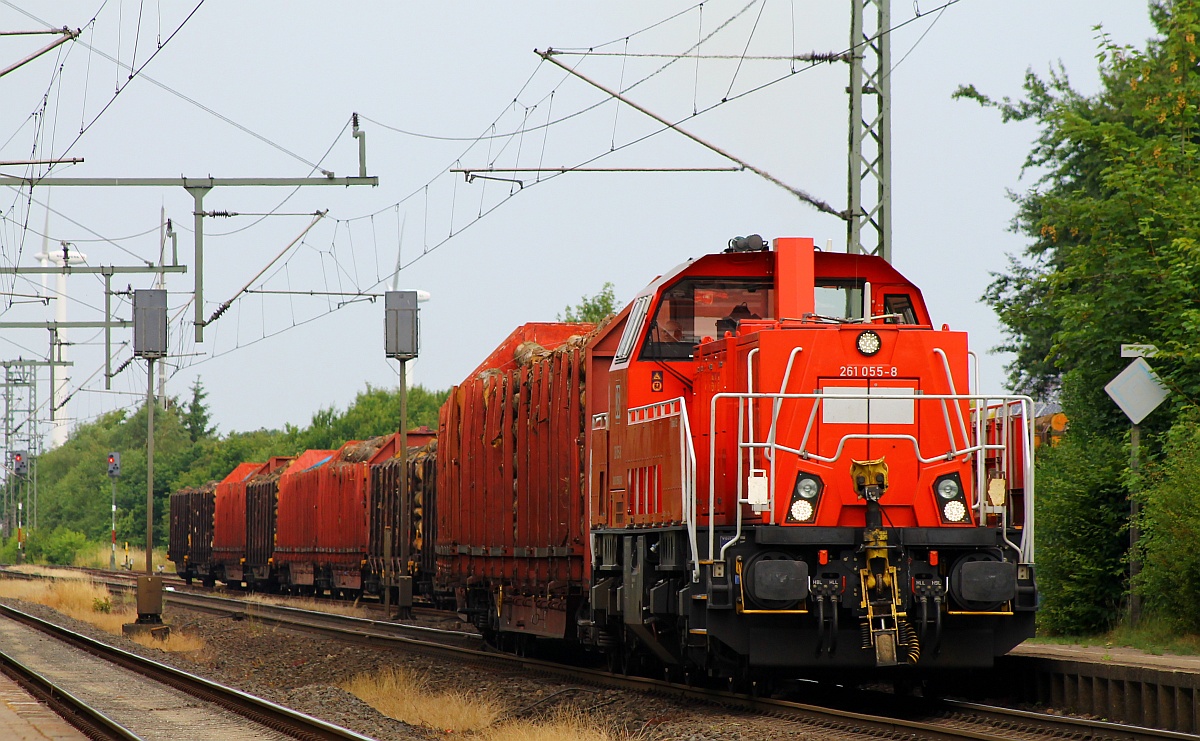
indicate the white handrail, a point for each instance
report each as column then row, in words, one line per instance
column 772, row 445
column 677, row 407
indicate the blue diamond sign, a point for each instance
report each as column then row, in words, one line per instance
column 1137, row 390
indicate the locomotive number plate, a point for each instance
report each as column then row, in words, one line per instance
column 867, row 371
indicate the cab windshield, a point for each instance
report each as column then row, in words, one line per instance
column 704, row 307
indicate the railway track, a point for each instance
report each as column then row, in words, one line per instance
column 114, row 694
column 831, row 715
column 932, row 720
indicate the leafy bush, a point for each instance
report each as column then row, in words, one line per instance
column 1082, row 518
column 1170, row 523
column 60, row 546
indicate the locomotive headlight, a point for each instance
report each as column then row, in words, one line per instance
column 806, row 493
column 954, row 511
column 801, row 510
column 951, row 498
column 868, row 343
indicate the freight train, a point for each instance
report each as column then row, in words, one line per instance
column 770, row 461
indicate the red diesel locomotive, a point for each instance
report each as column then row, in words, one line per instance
column 770, row 460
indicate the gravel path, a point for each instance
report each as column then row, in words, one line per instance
column 303, row 671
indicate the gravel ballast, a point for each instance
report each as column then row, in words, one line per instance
column 305, row 672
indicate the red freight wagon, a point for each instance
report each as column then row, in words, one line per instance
column 229, row 528
column 322, row 533
column 410, row 529
column 192, row 532
column 261, row 492
column 511, row 514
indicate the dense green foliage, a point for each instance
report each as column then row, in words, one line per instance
column 58, row 546
column 594, row 309
column 374, row 410
column 1170, row 519
column 75, row 492
column 1081, row 535
column 1114, row 258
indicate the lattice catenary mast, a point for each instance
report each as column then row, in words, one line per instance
column 869, row 228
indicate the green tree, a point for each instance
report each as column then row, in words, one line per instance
column 1114, row 257
column 593, row 309
column 197, row 417
column 1113, row 220
column 75, row 491
column 1170, row 521
column 374, row 412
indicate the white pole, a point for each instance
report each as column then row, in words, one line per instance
column 162, row 284
column 62, row 382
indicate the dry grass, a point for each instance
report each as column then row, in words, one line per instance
column 90, row 603
column 566, row 724
column 56, row 572
column 175, row 643
column 407, row 697
column 300, row 603
column 98, row 555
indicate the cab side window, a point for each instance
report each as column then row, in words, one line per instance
column 702, row 307
column 899, row 308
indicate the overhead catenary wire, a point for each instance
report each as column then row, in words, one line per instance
column 171, row 90
column 427, row 249
column 225, row 306
column 426, row 189
column 133, row 72
column 582, row 111
column 813, row 201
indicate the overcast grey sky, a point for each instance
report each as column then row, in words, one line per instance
column 266, row 89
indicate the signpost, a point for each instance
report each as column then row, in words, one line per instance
column 149, row 342
column 114, row 471
column 401, row 341
column 1137, row 390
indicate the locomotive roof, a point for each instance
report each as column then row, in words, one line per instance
column 828, row 266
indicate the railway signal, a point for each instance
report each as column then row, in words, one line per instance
column 20, row 462
column 114, row 470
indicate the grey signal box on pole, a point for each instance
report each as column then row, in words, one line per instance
column 150, row 323
column 400, row 324
column 114, row 464
column 20, row 463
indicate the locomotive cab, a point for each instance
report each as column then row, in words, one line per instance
column 788, row 471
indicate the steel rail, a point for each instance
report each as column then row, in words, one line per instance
column 87, row 719
column 989, row 723
column 260, row 711
column 996, row 722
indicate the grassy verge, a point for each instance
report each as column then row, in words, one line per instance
column 91, row 603
column 304, row 603
column 1152, row 635
column 99, row 555
column 408, row 697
